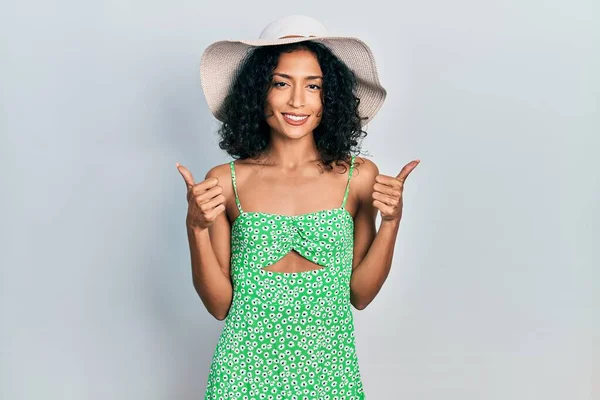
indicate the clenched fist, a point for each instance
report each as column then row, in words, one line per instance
column 205, row 200
column 387, row 193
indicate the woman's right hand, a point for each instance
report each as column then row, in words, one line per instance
column 205, row 200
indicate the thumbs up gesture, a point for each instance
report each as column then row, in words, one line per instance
column 205, row 200
column 387, row 193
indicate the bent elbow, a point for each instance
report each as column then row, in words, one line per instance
column 219, row 314
column 220, row 317
column 360, row 306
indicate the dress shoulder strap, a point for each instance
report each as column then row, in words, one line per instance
column 348, row 184
column 237, row 200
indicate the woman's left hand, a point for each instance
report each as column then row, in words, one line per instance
column 387, row 193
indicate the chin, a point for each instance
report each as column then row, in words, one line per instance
column 296, row 131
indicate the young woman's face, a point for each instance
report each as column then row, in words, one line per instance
column 296, row 88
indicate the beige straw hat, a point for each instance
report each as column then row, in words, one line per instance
column 221, row 60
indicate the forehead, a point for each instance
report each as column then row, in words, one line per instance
column 299, row 62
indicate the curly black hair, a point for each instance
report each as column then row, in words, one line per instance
column 245, row 132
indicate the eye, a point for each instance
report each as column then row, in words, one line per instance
column 276, row 84
column 316, row 87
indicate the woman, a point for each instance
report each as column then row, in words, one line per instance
column 281, row 244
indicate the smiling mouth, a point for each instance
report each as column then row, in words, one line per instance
column 295, row 118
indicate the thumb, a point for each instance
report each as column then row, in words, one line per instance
column 407, row 170
column 187, row 175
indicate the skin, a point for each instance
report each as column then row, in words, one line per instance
column 286, row 179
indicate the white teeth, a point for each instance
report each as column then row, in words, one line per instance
column 295, row 118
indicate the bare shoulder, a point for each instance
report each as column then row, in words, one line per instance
column 363, row 178
column 222, row 172
column 366, row 166
column 365, row 171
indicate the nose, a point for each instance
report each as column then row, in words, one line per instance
column 297, row 97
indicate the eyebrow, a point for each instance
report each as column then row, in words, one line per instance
column 310, row 77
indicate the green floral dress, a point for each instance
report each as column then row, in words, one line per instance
column 289, row 335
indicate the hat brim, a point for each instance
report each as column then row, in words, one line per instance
column 220, row 62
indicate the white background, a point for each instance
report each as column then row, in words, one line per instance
column 490, row 296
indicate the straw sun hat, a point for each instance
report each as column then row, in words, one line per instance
column 221, row 60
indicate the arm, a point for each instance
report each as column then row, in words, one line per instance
column 373, row 251
column 210, row 257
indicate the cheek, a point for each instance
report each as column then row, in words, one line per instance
column 315, row 104
column 317, row 109
column 275, row 100
column 270, row 108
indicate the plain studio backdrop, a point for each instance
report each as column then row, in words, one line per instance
column 491, row 292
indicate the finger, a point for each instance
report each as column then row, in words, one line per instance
column 207, row 205
column 387, row 180
column 384, row 208
column 187, row 176
column 389, row 190
column 407, row 170
column 388, row 200
column 212, row 215
column 199, row 190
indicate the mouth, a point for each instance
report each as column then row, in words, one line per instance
column 295, row 119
